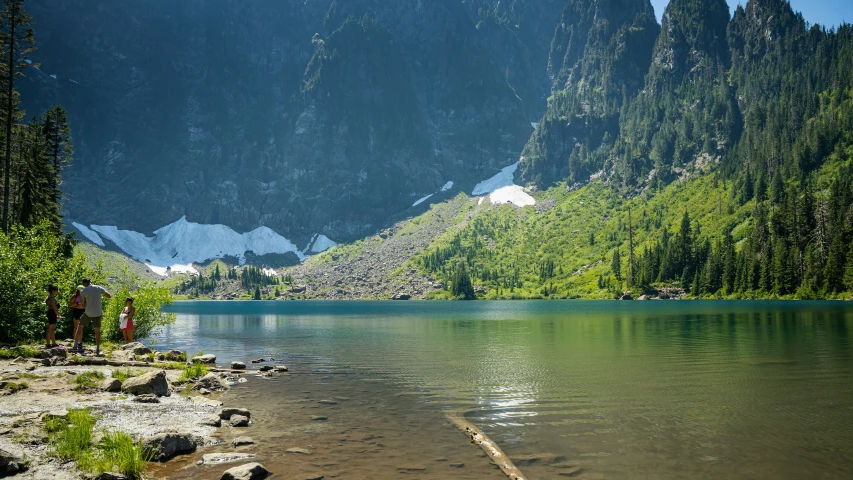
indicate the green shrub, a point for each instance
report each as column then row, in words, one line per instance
column 148, row 300
column 117, row 452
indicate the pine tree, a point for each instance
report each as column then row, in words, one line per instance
column 616, row 265
column 257, row 293
column 17, row 41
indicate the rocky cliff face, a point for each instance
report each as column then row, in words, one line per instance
column 303, row 116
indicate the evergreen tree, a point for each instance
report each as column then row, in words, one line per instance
column 257, row 293
column 616, row 265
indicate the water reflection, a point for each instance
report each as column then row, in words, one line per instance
column 640, row 390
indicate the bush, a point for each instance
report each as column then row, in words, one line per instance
column 148, row 300
column 30, row 259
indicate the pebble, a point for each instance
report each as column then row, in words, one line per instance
column 319, row 418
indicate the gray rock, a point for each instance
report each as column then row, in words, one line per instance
column 123, row 355
column 239, row 421
column 212, row 382
column 280, row 368
column 54, row 414
column 165, row 446
column 319, row 418
column 204, row 359
column 137, row 348
column 312, row 476
column 152, row 382
column 226, row 457
column 240, row 441
column 174, row 355
column 111, row 385
column 110, row 476
column 212, row 421
column 11, row 463
column 266, row 368
column 238, row 365
column 249, row 471
column 227, row 413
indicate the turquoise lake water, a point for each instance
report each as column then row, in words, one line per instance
column 623, row 389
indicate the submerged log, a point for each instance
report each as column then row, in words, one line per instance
column 490, row 447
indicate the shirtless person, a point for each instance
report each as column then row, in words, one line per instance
column 94, row 311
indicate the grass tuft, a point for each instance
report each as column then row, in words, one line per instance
column 20, row 351
column 194, row 371
column 15, row 387
column 123, row 375
column 88, row 381
column 71, row 440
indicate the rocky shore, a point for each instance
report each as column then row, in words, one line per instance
column 134, row 391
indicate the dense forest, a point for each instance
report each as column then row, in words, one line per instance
column 755, row 112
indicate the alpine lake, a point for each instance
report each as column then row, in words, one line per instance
column 581, row 389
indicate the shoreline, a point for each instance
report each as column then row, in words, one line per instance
column 313, row 423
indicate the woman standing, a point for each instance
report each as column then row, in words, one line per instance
column 126, row 320
column 53, row 315
column 77, row 308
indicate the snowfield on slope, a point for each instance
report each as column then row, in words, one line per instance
column 501, row 189
column 179, row 245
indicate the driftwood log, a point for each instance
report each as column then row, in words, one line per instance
column 490, row 447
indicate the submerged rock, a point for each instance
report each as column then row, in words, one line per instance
column 165, row 446
column 149, row 383
column 239, row 421
column 238, row 365
column 211, row 421
column 227, row 413
column 212, row 382
column 226, row 457
column 240, row 441
column 249, row 471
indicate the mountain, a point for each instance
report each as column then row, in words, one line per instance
column 306, row 117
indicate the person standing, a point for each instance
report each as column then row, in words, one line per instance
column 94, row 312
column 126, row 320
column 53, row 315
column 77, row 308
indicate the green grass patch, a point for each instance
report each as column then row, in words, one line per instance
column 71, row 439
column 15, row 387
column 123, row 375
column 88, row 381
column 19, row 351
column 27, row 375
column 194, row 371
column 77, row 360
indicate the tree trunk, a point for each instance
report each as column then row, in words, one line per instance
column 9, row 115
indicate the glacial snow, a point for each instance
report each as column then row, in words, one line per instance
column 447, row 186
column 534, row 125
column 179, row 245
column 501, row 189
column 322, row 243
column 89, row 234
column 422, row 200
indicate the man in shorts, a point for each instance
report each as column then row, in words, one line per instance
column 94, row 311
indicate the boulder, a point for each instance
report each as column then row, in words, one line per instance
column 211, row 382
column 54, row 352
column 240, row 441
column 54, row 414
column 149, row 383
column 111, row 385
column 204, row 359
column 227, row 413
column 137, row 348
column 249, row 471
column 211, row 421
column 238, row 366
column 123, row 355
column 164, row 446
column 266, row 368
column 239, row 421
column 175, row 355
column 280, row 368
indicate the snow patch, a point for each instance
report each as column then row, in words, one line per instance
column 447, row 186
column 28, row 61
column 422, row 200
column 501, row 189
column 89, row 234
column 183, row 243
column 535, row 125
column 322, row 243
column 164, row 271
column 512, row 194
column 53, row 77
column 270, row 272
column 502, row 179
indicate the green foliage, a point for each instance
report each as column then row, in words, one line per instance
column 460, row 284
column 149, row 298
column 24, row 351
column 117, row 452
column 71, row 438
column 30, row 259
